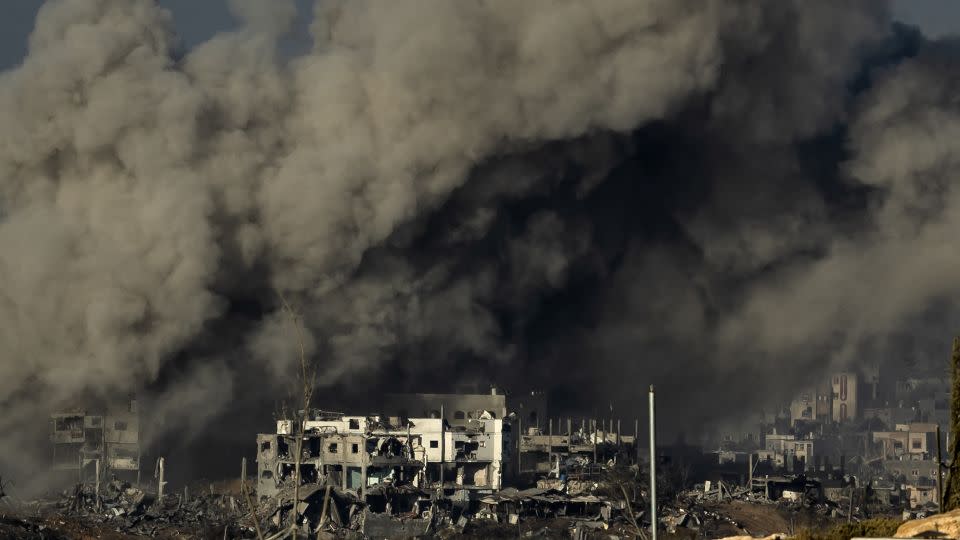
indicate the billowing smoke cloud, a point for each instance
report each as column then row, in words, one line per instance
column 588, row 195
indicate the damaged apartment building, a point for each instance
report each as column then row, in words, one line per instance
column 569, row 451
column 104, row 438
column 452, row 444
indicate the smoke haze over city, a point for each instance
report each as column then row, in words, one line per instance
column 579, row 197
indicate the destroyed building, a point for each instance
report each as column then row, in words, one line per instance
column 104, row 438
column 566, row 451
column 390, row 459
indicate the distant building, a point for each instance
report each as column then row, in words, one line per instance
column 844, row 389
column 803, row 408
column 917, row 440
column 569, row 450
column 890, row 416
column 786, row 451
column 107, row 437
column 922, row 496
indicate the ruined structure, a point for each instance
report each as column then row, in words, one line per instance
column 566, row 451
column 391, row 463
column 104, row 438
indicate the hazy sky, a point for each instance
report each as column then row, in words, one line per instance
column 198, row 19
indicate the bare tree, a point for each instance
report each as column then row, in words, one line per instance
column 306, row 379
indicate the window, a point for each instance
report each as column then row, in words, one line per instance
column 266, row 474
column 843, row 388
column 264, row 446
column 843, row 412
column 332, row 448
column 916, row 444
column 69, row 423
column 434, row 444
column 915, row 472
column 354, row 448
column 354, row 423
column 121, row 426
column 459, row 415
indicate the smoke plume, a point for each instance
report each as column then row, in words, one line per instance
column 581, row 196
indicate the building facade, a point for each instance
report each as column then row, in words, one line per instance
column 377, row 456
column 104, row 439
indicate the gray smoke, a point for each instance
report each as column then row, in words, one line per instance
column 433, row 179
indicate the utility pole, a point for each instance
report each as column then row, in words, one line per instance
column 653, row 467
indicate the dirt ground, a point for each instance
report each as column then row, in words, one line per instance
column 766, row 519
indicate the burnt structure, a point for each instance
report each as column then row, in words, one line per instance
column 104, row 439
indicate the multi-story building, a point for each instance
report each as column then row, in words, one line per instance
column 105, row 438
column 917, row 440
column 784, row 450
column 566, row 450
column 803, row 408
column 844, row 389
column 359, row 453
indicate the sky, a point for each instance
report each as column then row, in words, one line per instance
column 198, row 20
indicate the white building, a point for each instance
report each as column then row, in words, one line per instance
column 358, row 452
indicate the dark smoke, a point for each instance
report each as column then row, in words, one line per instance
column 723, row 199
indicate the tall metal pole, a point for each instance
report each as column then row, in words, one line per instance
column 653, row 467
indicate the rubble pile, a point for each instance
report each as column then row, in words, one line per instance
column 707, row 508
column 130, row 510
